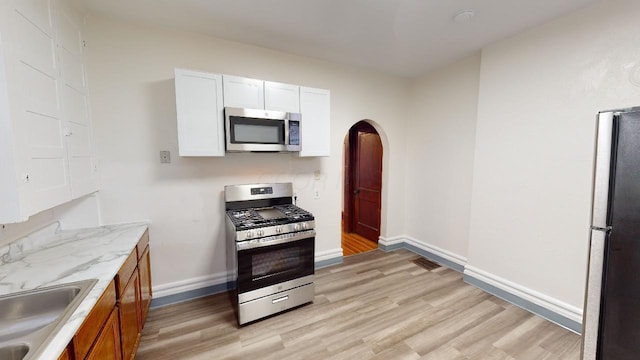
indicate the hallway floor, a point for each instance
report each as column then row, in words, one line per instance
column 353, row 243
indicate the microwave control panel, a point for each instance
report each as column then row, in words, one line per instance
column 294, row 133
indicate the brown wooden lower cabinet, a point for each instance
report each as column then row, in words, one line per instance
column 144, row 270
column 113, row 328
column 107, row 345
column 90, row 329
column 66, row 354
column 129, row 310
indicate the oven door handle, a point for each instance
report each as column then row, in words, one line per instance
column 280, row 299
column 275, row 240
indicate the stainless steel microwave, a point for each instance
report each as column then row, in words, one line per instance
column 261, row 130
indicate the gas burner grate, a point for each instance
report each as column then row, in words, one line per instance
column 427, row 264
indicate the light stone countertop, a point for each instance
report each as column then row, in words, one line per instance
column 52, row 256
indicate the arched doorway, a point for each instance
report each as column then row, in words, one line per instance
column 362, row 189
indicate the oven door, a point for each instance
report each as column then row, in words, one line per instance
column 263, row 265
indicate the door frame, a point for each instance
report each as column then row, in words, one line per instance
column 349, row 159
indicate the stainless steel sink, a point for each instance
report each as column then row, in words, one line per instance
column 14, row 352
column 30, row 319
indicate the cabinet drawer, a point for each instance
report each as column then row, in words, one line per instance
column 93, row 323
column 143, row 243
column 123, row 276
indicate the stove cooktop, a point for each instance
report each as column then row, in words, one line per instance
column 252, row 218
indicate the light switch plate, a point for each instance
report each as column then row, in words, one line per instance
column 165, row 157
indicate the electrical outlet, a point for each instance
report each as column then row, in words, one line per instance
column 165, row 157
column 316, row 194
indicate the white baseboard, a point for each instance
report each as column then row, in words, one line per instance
column 427, row 250
column 445, row 254
column 548, row 307
column 186, row 285
column 328, row 255
column 554, row 305
column 391, row 240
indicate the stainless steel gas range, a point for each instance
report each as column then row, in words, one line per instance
column 272, row 245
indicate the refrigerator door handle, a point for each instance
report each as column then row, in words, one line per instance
column 591, row 314
column 602, row 174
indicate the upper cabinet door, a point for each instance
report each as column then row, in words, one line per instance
column 200, row 113
column 315, row 127
column 32, row 89
column 75, row 101
column 243, row 92
column 281, row 97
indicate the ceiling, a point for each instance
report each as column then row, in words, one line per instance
column 400, row 37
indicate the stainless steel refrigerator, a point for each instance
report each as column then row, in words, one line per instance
column 611, row 324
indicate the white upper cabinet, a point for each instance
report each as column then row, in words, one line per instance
column 249, row 93
column 315, row 129
column 281, row 97
column 201, row 98
column 243, row 92
column 33, row 115
column 199, row 109
column 39, row 115
column 75, row 101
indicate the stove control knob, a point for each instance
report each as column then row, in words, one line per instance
column 278, row 229
column 304, row 226
column 259, row 232
column 249, row 234
column 296, row 227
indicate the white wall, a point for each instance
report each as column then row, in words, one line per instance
column 130, row 69
column 539, row 95
column 76, row 214
column 11, row 232
column 440, row 146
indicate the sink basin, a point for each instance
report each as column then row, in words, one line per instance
column 13, row 352
column 25, row 313
column 30, row 319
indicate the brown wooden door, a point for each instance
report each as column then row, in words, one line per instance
column 366, row 167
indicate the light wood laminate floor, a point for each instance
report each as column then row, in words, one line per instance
column 375, row 305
